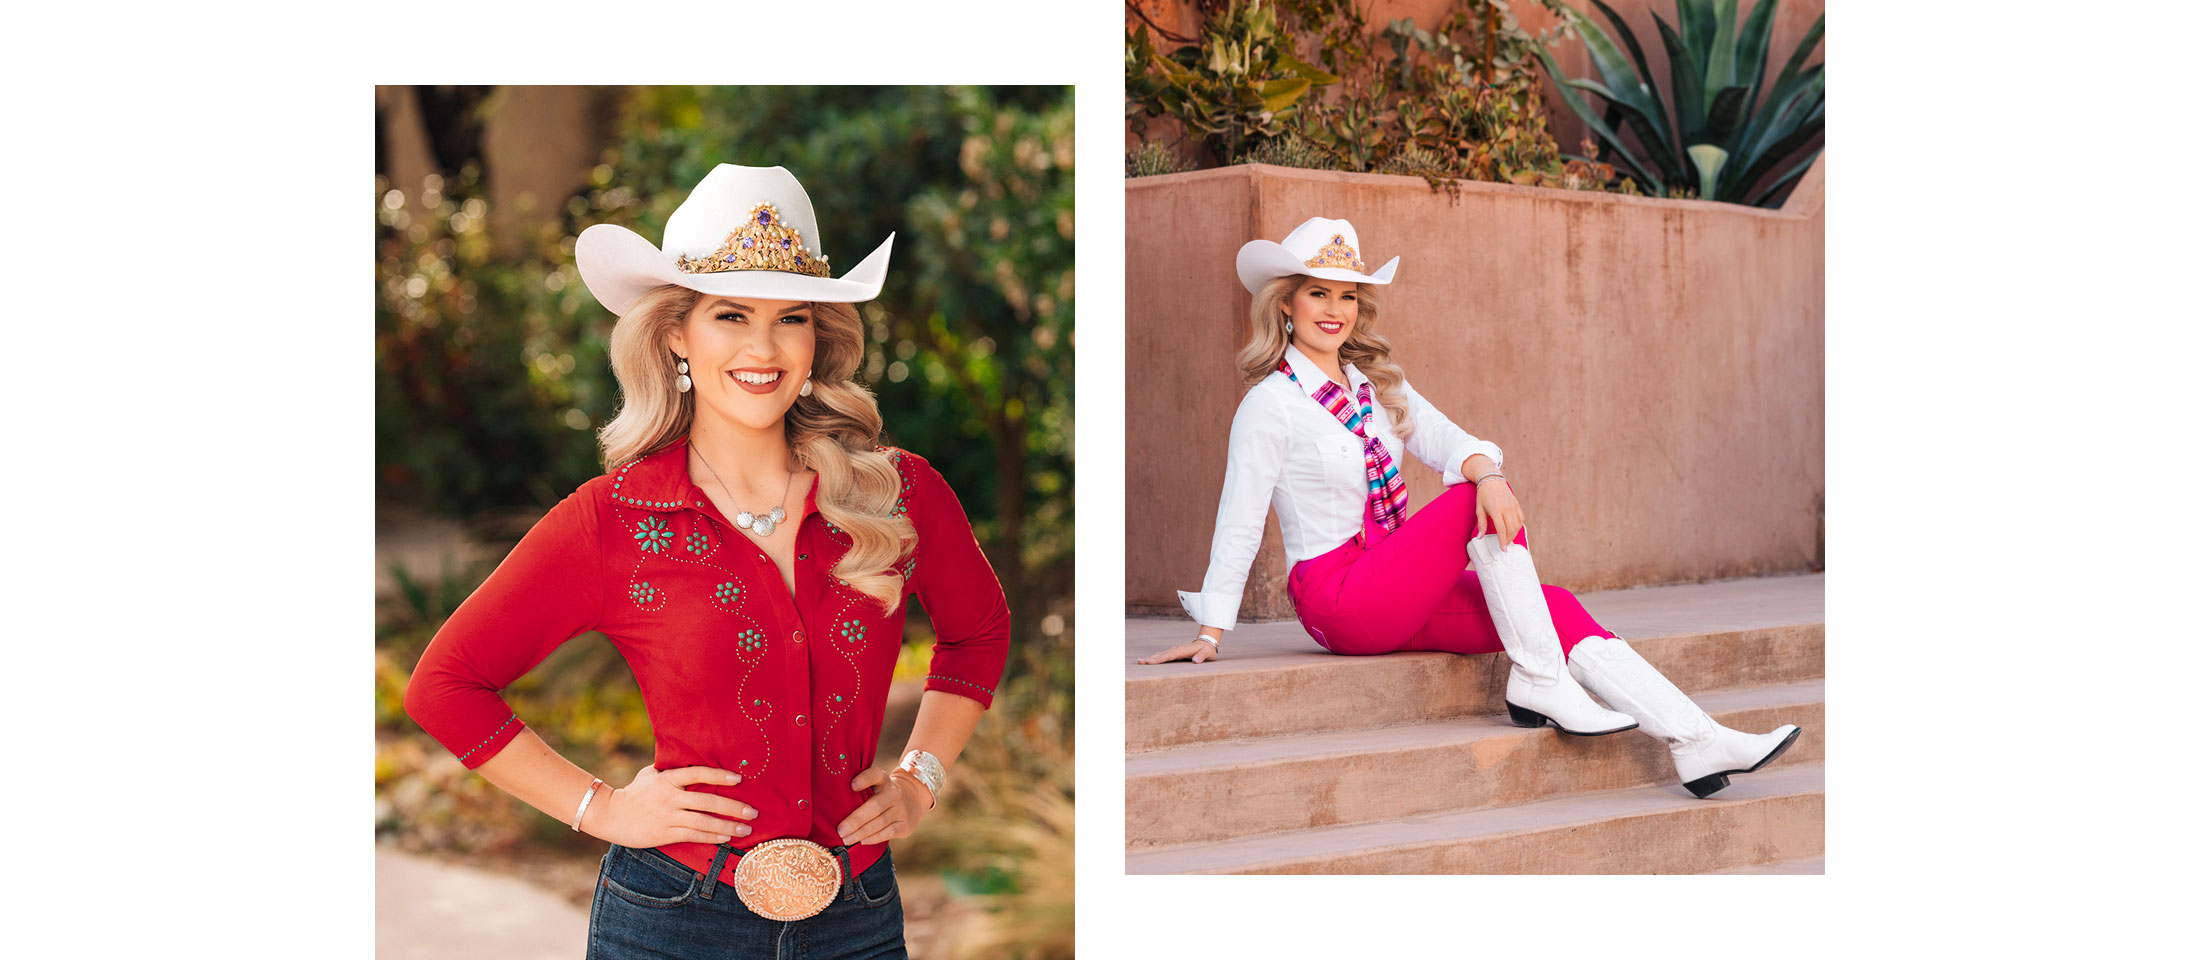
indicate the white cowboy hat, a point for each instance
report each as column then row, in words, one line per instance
column 743, row 231
column 1320, row 247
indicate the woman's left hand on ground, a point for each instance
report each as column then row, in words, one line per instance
column 1194, row 651
column 891, row 813
column 1496, row 511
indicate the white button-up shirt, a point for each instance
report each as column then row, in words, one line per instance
column 1288, row 450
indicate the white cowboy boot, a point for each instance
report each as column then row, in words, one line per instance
column 1540, row 688
column 1703, row 751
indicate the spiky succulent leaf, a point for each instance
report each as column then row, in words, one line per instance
column 1806, row 125
column 1659, row 149
column 1725, row 115
column 1687, row 72
column 1793, row 172
column 1597, row 126
column 1708, row 160
column 1718, row 68
column 1749, row 53
column 1645, row 113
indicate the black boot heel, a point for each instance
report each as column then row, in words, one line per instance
column 1705, row 786
column 1525, row 717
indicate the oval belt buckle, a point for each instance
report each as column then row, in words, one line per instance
column 787, row 879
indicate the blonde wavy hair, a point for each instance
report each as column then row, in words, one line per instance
column 833, row 431
column 1365, row 348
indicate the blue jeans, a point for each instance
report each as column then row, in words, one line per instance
column 650, row 905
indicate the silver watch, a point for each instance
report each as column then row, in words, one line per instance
column 927, row 769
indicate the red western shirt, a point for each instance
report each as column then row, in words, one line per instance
column 788, row 691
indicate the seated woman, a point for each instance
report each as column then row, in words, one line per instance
column 1313, row 438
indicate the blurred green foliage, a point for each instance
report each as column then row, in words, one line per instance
column 492, row 378
column 491, row 373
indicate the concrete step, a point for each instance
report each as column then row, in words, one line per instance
column 1807, row 865
column 1248, row 787
column 1274, row 681
column 1777, row 814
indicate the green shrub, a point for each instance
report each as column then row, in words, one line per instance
column 1458, row 102
column 1153, row 159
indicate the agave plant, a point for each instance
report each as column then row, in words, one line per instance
column 1719, row 140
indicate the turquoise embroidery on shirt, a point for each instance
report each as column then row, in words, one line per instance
column 728, row 592
column 643, row 593
column 698, row 542
column 654, row 535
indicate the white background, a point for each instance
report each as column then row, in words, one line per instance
column 2010, row 414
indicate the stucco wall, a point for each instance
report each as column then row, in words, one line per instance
column 1653, row 369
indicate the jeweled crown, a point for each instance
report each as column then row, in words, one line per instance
column 1337, row 254
column 763, row 241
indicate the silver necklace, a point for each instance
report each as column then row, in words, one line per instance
column 748, row 521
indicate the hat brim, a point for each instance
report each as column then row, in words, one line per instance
column 1263, row 260
column 618, row 266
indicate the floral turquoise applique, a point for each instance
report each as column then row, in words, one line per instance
column 852, row 631
column 728, row 592
column 698, row 542
column 750, row 641
column 653, row 534
column 642, row 593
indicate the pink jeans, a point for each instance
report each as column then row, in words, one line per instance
column 1410, row 589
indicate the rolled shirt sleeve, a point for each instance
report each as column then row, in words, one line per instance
column 959, row 591
column 1260, row 438
column 1441, row 444
column 546, row 591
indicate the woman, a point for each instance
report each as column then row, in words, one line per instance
column 1315, row 436
column 748, row 552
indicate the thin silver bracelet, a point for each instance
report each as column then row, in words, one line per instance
column 1486, row 476
column 583, row 811
column 1210, row 641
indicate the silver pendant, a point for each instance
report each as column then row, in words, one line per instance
column 764, row 526
column 778, row 514
column 744, row 519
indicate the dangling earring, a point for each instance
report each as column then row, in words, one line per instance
column 805, row 386
column 683, row 383
column 1287, row 326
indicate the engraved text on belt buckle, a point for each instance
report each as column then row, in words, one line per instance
column 787, row 879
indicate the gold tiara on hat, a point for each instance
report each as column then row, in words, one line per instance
column 1337, row 255
column 763, row 241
